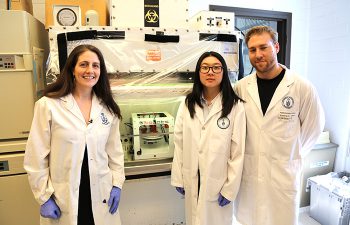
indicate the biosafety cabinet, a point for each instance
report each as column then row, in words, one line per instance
column 150, row 70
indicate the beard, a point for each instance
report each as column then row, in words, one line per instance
column 265, row 65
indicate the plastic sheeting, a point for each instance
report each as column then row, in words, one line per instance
column 150, row 69
column 151, row 55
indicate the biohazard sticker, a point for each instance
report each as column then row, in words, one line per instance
column 288, row 102
column 223, row 122
column 151, row 13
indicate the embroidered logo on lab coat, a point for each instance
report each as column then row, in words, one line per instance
column 223, row 122
column 104, row 119
column 288, row 102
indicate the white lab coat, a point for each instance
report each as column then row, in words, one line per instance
column 217, row 153
column 55, row 151
column 276, row 144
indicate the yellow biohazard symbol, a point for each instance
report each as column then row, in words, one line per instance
column 151, row 16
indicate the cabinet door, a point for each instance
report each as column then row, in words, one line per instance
column 17, row 204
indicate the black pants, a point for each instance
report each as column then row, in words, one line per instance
column 85, row 216
column 199, row 183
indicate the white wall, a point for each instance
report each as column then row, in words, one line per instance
column 329, row 46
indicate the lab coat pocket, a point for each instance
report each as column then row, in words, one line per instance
column 105, row 217
column 220, row 142
column 103, row 133
column 285, row 175
column 105, row 186
column 213, row 189
column 186, row 178
column 217, row 163
column 287, row 124
column 249, row 168
column 61, row 197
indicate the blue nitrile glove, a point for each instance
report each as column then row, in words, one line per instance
column 50, row 209
column 181, row 190
column 223, row 201
column 114, row 198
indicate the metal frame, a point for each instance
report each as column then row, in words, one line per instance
column 284, row 26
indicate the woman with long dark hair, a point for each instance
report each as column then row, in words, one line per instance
column 209, row 136
column 74, row 156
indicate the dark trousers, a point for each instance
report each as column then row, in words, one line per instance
column 85, row 216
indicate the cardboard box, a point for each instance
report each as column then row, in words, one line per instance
column 100, row 6
column 24, row 5
column 3, row 4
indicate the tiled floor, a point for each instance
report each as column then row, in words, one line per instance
column 305, row 219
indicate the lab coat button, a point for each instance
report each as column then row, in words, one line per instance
column 203, row 128
column 104, row 201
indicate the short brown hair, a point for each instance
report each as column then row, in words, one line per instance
column 259, row 30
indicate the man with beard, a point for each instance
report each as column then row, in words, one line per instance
column 284, row 119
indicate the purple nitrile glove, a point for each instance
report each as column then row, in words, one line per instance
column 50, row 209
column 223, row 201
column 114, row 198
column 181, row 190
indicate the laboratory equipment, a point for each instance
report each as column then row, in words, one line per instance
column 330, row 198
column 23, row 51
column 154, row 80
column 66, row 15
column 158, row 71
column 76, row 12
column 16, row 197
column 91, row 18
column 213, row 20
column 153, row 55
column 319, row 161
column 153, row 135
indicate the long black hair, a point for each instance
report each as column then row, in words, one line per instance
column 229, row 97
column 64, row 84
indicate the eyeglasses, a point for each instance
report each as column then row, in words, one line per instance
column 215, row 69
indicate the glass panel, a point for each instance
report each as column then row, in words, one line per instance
column 153, row 135
column 243, row 24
